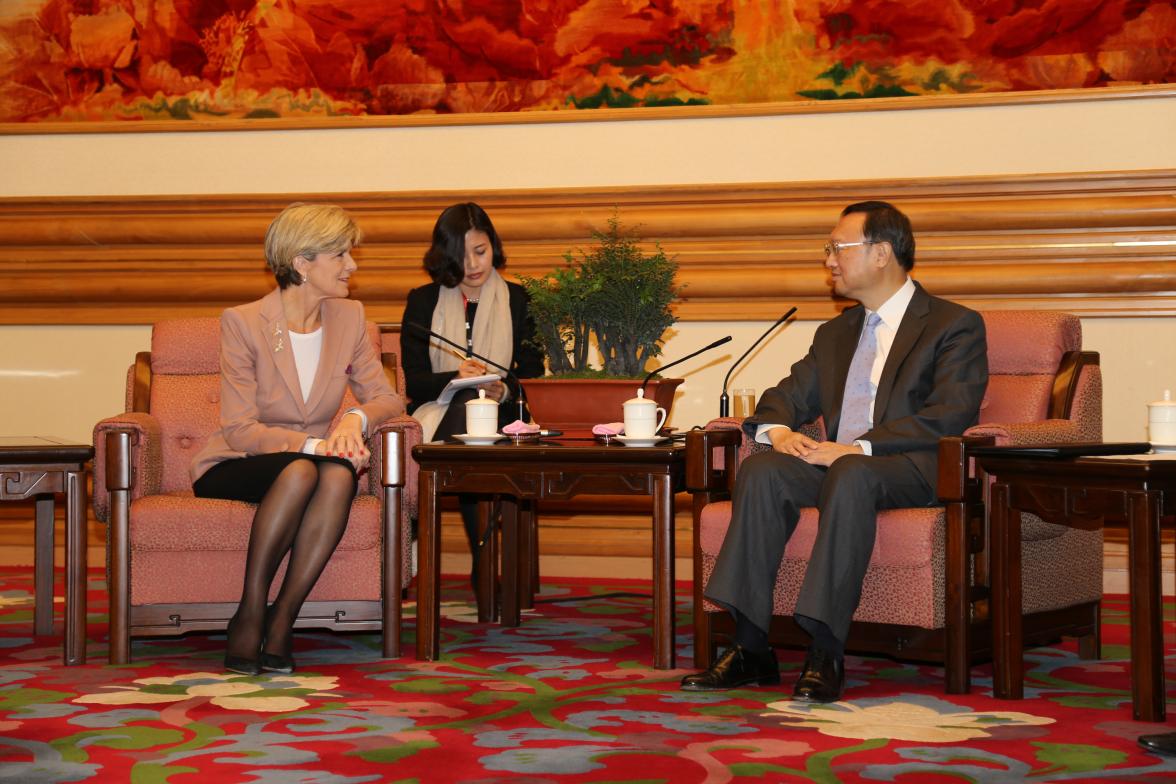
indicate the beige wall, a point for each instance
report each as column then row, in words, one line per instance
column 62, row 379
column 1059, row 137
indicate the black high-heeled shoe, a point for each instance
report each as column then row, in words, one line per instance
column 274, row 662
column 239, row 664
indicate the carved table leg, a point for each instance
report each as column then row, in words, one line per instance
column 663, row 573
column 1147, row 654
column 429, row 572
column 43, row 566
column 529, row 542
column 513, row 562
column 1007, row 648
column 75, row 567
column 487, row 556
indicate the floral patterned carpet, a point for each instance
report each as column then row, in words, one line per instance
column 567, row 697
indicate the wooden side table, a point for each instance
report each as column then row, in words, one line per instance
column 529, row 472
column 1081, row 492
column 39, row 467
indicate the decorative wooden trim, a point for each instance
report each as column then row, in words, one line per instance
column 1100, row 244
column 708, row 112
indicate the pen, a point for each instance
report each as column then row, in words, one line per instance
column 457, row 354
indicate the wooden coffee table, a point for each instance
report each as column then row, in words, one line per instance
column 39, row 467
column 522, row 474
column 1081, row 492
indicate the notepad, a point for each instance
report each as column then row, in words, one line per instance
column 461, row 383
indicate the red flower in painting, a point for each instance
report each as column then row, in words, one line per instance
column 126, row 59
column 878, row 30
column 1034, row 43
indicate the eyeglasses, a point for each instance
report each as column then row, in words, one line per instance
column 833, row 247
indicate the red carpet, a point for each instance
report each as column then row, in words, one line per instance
column 567, row 697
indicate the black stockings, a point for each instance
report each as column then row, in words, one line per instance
column 304, row 512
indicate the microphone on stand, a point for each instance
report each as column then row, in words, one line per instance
column 651, row 373
column 724, row 401
column 465, row 350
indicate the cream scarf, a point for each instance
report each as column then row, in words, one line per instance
column 493, row 336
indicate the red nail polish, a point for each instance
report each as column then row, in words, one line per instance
column 351, row 454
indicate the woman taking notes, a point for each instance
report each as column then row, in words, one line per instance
column 286, row 361
column 469, row 303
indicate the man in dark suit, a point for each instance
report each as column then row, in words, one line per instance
column 890, row 377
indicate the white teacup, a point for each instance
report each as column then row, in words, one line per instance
column 481, row 415
column 1161, row 421
column 643, row 418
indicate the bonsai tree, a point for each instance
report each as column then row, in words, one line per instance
column 613, row 293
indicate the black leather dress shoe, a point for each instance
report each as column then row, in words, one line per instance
column 737, row 667
column 272, row 662
column 1162, row 743
column 823, row 678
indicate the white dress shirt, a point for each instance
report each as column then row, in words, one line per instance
column 308, row 351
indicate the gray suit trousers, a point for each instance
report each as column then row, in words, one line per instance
column 770, row 490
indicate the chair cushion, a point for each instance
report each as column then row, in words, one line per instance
column 173, row 578
column 187, row 346
column 185, row 550
column 181, row 522
column 1015, row 398
column 904, row 536
column 903, row 583
column 1026, row 342
column 1025, row 349
column 188, row 411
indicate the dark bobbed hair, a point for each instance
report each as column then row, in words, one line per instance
column 445, row 258
column 887, row 223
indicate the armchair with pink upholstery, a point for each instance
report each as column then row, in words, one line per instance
column 925, row 593
column 176, row 562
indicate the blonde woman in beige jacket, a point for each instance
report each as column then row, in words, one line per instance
column 286, row 361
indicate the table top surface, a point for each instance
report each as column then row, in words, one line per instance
column 1150, row 465
column 553, row 450
column 43, row 449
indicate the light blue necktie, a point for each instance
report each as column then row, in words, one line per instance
column 859, row 393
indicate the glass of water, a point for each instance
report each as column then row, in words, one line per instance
column 744, row 402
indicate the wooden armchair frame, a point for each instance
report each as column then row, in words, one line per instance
column 160, row 619
column 966, row 636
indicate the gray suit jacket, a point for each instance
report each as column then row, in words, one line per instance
column 931, row 386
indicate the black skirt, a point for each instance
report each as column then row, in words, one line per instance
column 249, row 478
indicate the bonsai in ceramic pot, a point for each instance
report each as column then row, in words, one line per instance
column 614, row 297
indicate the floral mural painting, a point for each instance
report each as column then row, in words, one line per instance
column 182, row 60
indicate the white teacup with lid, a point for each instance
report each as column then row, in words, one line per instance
column 1161, row 423
column 481, row 415
column 642, row 418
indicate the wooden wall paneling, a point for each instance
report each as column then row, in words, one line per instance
column 1096, row 243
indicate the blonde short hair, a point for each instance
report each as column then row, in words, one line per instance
column 306, row 230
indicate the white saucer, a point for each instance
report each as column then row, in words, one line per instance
column 466, row 438
column 631, row 441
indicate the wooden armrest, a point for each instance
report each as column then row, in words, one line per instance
column 701, row 474
column 118, row 463
column 391, row 458
column 954, row 465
